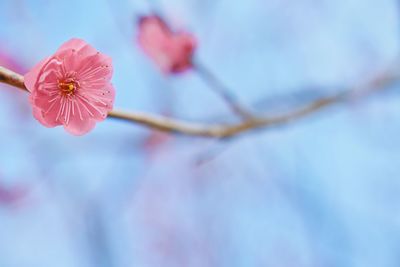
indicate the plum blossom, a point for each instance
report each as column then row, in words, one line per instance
column 72, row 87
column 171, row 51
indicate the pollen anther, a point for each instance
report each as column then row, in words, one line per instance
column 67, row 88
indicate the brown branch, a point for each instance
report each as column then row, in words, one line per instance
column 167, row 124
column 11, row 78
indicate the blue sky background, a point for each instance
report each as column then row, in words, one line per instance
column 322, row 192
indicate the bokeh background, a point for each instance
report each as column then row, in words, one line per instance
column 321, row 192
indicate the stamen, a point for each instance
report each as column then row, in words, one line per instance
column 68, row 87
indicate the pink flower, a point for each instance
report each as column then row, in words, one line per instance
column 171, row 51
column 12, row 196
column 72, row 88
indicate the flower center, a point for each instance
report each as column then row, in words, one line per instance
column 67, row 87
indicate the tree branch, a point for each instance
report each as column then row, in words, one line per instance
column 166, row 124
column 220, row 89
column 11, row 78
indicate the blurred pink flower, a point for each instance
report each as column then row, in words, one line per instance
column 154, row 142
column 11, row 196
column 171, row 51
column 72, row 88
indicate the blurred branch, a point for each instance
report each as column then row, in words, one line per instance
column 225, row 130
column 220, row 89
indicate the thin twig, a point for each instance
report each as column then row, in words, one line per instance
column 162, row 123
column 220, row 89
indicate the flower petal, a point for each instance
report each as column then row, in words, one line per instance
column 95, row 69
column 78, row 127
column 31, row 77
column 48, row 119
column 72, row 44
